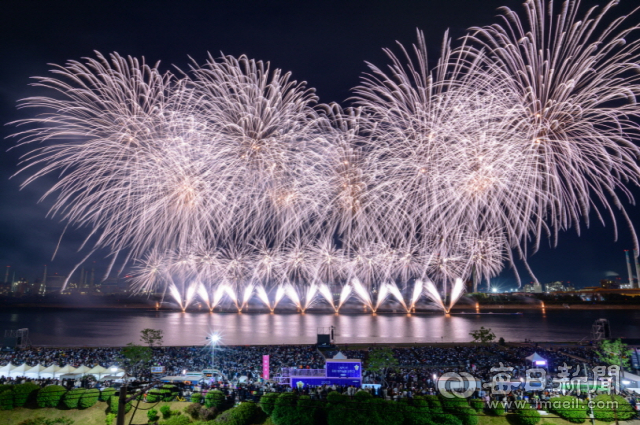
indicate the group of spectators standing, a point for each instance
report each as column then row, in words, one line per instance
column 416, row 373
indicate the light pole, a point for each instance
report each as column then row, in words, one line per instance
column 214, row 338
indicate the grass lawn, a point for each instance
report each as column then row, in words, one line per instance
column 92, row 416
column 551, row 419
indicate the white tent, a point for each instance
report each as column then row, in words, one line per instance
column 82, row 370
column 67, row 370
column 98, row 372
column 19, row 370
column 4, row 370
column 35, row 371
column 52, row 371
column 537, row 359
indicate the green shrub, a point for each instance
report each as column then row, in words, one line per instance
column 383, row 412
column 603, row 408
column 196, row 398
column 570, row 408
column 215, row 398
column 477, row 404
column 24, row 392
column 106, row 393
column 526, row 415
column 243, row 414
column 50, row 396
column 497, row 408
column 41, row 420
column 335, row 397
column 362, row 396
column 154, row 395
column 434, row 403
column 110, row 418
column 72, row 398
column 166, row 411
column 152, row 415
column 268, row 402
column 166, row 395
column 467, row 416
column 113, row 404
column 453, row 404
column 6, row 400
column 5, row 387
column 89, row 398
column 177, row 420
column 446, row 419
column 285, row 412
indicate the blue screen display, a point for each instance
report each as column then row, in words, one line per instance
column 344, row 369
column 315, row 382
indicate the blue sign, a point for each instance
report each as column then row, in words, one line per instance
column 344, row 370
column 304, row 382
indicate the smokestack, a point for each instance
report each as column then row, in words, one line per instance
column 635, row 254
column 81, row 284
column 6, row 275
column 629, row 268
column 91, row 284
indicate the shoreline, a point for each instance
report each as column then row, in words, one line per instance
column 466, row 308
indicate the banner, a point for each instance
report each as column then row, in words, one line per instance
column 265, row 366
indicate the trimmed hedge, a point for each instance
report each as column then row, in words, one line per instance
column 152, row 415
column 446, row 419
column 89, row 398
column 177, row 420
column 467, row 415
column 154, row 395
column 106, row 394
column 113, row 405
column 72, row 398
column 603, row 408
column 453, row 404
column 6, row 400
column 215, row 398
column 196, row 398
column 497, row 409
column 570, row 408
column 50, row 396
column 23, row 392
column 526, row 415
column 477, row 404
column 285, row 411
column 268, row 402
column 434, row 403
column 243, row 414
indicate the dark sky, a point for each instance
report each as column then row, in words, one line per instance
column 325, row 43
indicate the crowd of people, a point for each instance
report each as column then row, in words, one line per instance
column 416, row 372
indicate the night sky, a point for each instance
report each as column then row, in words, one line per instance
column 325, row 43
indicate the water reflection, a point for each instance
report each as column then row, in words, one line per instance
column 118, row 327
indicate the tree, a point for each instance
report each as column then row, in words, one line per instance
column 136, row 356
column 483, row 335
column 614, row 353
column 380, row 361
column 151, row 337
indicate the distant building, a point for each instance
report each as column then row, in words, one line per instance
column 54, row 283
column 555, row 287
column 534, row 288
column 609, row 284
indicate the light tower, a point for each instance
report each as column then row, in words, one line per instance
column 626, row 251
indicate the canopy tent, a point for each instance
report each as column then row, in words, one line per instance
column 19, row 370
column 98, row 371
column 117, row 372
column 4, row 370
column 35, row 371
column 82, row 370
column 66, row 370
column 537, row 359
column 50, row 372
